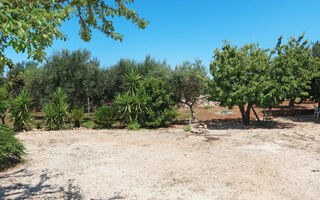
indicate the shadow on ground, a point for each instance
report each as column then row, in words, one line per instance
column 41, row 190
column 224, row 124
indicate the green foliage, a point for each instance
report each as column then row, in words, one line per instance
column 188, row 82
column 33, row 25
column 132, row 107
column 4, row 103
column 105, row 117
column 11, row 149
column 241, row 78
column 75, row 72
column 293, row 68
column 77, row 115
column 20, row 111
column 160, row 104
column 314, row 92
column 56, row 112
column 147, row 69
column 187, row 128
column 38, row 124
column 15, row 80
column 131, row 81
column 133, row 127
column 151, row 105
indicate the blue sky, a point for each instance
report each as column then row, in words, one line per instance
column 182, row 30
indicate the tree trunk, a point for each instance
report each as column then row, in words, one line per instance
column 291, row 103
column 245, row 114
column 193, row 116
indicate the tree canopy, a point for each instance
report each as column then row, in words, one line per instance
column 188, row 82
column 293, row 68
column 240, row 78
column 33, row 25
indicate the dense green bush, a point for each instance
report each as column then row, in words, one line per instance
column 20, row 111
column 132, row 108
column 11, row 149
column 56, row 111
column 77, row 115
column 105, row 117
column 160, row 104
column 150, row 106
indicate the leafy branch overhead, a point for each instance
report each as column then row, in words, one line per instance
column 32, row 25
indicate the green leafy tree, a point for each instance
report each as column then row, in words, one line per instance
column 33, row 25
column 75, row 72
column 294, row 68
column 188, row 82
column 20, row 111
column 241, row 78
column 314, row 92
column 4, row 104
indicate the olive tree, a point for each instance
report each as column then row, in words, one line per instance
column 187, row 83
column 241, row 78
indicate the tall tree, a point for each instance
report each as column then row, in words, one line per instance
column 187, row 83
column 32, row 25
column 315, row 84
column 294, row 67
column 240, row 78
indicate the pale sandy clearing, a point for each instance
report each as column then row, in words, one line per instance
column 169, row 164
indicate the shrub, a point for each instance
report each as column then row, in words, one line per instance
column 160, row 104
column 134, row 126
column 77, row 115
column 187, row 128
column 56, row 112
column 11, row 149
column 132, row 108
column 20, row 111
column 105, row 117
column 38, row 124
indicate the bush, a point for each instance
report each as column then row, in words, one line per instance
column 20, row 111
column 56, row 112
column 134, row 126
column 132, row 108
column 77, row 115
column 160, row 104
column 105, row 117
column 11, row 149
column 187, row 128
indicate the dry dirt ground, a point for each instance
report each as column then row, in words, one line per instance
column 241, row 163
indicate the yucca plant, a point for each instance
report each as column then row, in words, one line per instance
column 132, row 108
column 105, row 117
column 77, row 115
column 131, row 81
column 56, row 112
column 20, row 111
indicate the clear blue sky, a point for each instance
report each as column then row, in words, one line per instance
column 181, row 30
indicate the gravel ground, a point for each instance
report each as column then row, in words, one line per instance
column 241, row 163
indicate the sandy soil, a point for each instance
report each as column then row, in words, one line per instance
column 241, row 163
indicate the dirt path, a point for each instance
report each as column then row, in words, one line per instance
column 168, row 164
